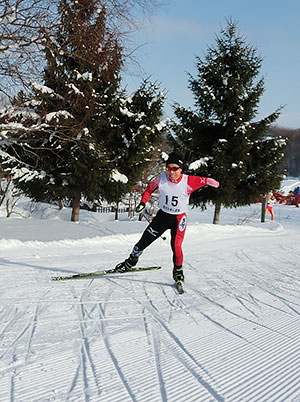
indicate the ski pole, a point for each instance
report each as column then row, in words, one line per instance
column 163, row 237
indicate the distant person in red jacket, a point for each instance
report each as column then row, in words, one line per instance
column 269, row 207
column 174, row 189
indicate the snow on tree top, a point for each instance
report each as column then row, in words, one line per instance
column 19, row 112
column 117, row 176
column 56, row 115
column 197, row 164
column 45, row 90
column 126, row 112
column 42, row 88
column 161, row 125
column 75, row 89
column 85, row 76
column 164, row 156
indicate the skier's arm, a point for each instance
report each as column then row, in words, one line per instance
column 212, row 182
column 196, row 182
column 152, row 186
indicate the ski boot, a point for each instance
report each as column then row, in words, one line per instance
column 178, row 278
column 127, row 264
column 178, row 273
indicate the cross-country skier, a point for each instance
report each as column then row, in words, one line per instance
column 269, row 207
column 174, row 189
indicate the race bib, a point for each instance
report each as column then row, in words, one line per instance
column 173, row 197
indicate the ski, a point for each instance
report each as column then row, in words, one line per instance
column 179, row 287
column 103, row 273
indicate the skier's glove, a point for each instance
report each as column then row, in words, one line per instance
column 212, row 183
column 140, row 208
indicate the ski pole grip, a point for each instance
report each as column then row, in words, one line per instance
column 139, row 209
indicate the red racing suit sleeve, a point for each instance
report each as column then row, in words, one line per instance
column 195, row 182
column 152, row 186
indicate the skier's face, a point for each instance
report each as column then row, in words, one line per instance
column 173, row 171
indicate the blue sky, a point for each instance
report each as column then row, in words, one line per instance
column 183, row 29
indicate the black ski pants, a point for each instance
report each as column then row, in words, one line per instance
column 161, row 222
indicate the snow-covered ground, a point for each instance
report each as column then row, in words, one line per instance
column 234, row 335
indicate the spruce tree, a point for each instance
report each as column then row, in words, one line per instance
column 138, row 134
column 72, row 107
column 221, row 136
column 71, row 131
column 140, row 121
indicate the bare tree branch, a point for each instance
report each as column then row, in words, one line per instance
column 24, row 25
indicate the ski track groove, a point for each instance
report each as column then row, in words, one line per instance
column 283, row 300
column 12, row 382
column 170, row 348
column 243, row 371
column 222, row 326
column 152, row 336
column 243, row 302
column 74, row 382
column 276, row 308
column 152, row 339
column 156, row 316
column 85, row 354
column 290, row 250
column 267, row 360
column 113, row 357
column 264, row 386
column 31, row 335
column 187, row 366
column 14, row 319
column 281, row 369
column 17, row 338
column 255, row 302
column 241, row 299
column 230, row 344
column 34, row 323
column 190, row 357
column 30, row 328
column 236, row 314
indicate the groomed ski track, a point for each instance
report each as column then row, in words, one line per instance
column 234, row 335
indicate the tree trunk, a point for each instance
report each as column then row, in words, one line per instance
column 131, row 207
column 263, row 208
column 217, row 213
column 75, row 205
column 117, row 212
column 8, row 209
